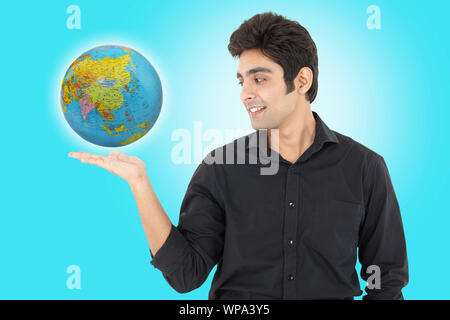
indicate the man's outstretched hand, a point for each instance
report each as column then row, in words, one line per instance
column 129, row 168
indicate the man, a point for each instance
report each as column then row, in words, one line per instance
column 292, row 233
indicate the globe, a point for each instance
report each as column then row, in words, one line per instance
column 111, row 96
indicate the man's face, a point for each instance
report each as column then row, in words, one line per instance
column 263, row 86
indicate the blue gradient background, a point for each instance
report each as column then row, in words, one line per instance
column 385, row 88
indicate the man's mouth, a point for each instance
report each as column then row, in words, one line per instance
column 256, row 110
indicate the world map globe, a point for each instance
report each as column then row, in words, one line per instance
column 111, row 96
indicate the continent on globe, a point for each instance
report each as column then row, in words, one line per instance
column 111, row 96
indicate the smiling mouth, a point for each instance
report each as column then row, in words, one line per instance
column 256, row 110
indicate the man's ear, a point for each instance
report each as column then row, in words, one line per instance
column 303, row 80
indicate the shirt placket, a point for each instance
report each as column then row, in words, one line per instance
column 290, row 234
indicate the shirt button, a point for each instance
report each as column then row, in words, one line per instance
column 291, row 204
column 291, row 277
column 291, row 241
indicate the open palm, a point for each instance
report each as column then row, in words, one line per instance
column 130, row 168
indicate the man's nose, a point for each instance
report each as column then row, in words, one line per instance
column 247, row 92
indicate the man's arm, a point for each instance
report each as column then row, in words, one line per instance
column 382, row 240
column 187, row 253
column 154, row 219
column 195, row 246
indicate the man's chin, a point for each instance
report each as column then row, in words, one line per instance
column 264, row 126
column 257, row 126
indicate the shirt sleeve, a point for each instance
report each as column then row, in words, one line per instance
column 382, row 240
column 195, row 246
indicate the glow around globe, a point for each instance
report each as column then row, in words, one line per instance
column 111, row 96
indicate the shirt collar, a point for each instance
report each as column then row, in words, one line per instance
column 323, row 134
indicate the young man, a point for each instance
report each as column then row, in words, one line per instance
column 292, row 233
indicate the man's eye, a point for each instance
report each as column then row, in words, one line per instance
column 256, row 79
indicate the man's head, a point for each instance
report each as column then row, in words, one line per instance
column 278, row 67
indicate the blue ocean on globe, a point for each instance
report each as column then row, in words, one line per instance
column 111, row 96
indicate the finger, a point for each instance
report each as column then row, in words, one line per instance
column 114, row 153
column 80, row 154
column 102, row 162
column 84, row 157
column 118, row 155
column 96, row 160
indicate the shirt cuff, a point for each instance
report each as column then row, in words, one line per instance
column 171, row 254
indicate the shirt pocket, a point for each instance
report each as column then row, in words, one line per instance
column 336, row 228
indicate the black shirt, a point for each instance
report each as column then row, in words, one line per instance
column 292, row 234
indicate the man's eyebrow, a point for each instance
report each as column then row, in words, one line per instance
column 254, row 70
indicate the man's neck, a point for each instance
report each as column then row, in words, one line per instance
column 294, row 136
